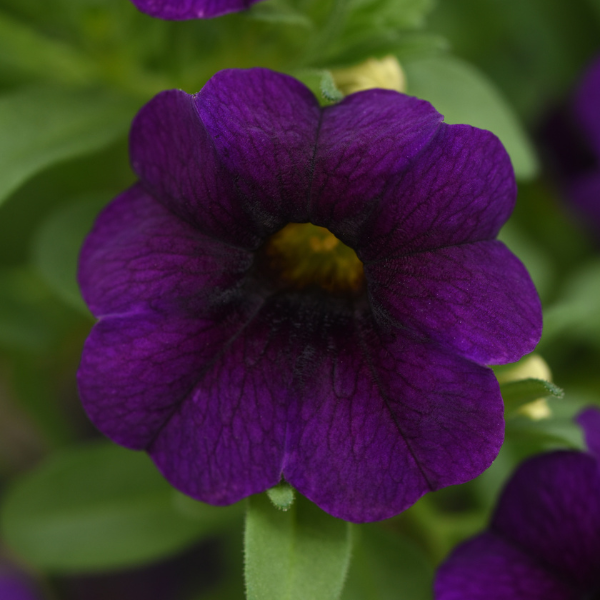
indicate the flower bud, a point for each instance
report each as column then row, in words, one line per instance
column 383, row 73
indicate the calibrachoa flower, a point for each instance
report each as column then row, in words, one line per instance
column 573, row 138
column 304, row 292
column 544, row 540
column 15, row 586
column 181, row 10
column 585, row 189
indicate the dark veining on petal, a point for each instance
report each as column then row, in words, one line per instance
column 177, row 405
column 376, row 378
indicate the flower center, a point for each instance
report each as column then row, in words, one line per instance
column 303, row 255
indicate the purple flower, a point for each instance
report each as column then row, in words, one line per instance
column 572, row 137
column 544, row 540
column 15, row 586
column 304, row 292
column 584, row 189
column 182, row 10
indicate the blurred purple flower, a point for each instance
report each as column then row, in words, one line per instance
column 544, row 539
column 584, row 189
column 572, row 139
column 197, row 569
column 15, row 586
column 305, row 292
column 182, row 10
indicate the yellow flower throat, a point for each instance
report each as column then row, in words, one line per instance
column 303, row 255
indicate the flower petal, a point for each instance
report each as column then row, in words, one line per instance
column 264, row 126
column 460, row 189
column 180, row 10
column 477, row 299
column 589, row 420
column 551, row 510
column 226, row 440
column 490, row 568
column 586, row 103
column 383, row 421
column 583, row 192
column 366, row 142
column 361, row 424
column 136, row 370
column 176, row 161
column 16, row 587
column 140, row 254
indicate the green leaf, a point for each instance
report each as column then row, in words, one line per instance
column 403, row 44
column 98, row 506
column 517, row 393
column 295, row 555
column 42, row 126
column 576, row 314
column 31, row 318
column 464, row 95
column 379, row 15
column 532, row 254
column 26, row 50
column 373, row 28
column 387, row 566
column 532, row 50
column 280, row 12
column 547, row 433
column 595, row 6
column 231, row 561
column 559, row 431
column 282, row 495
column 211, row 517
column 57, row 244
column 36, row 393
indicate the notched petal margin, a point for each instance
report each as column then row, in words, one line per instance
column 461, row 189
column 383, row 421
